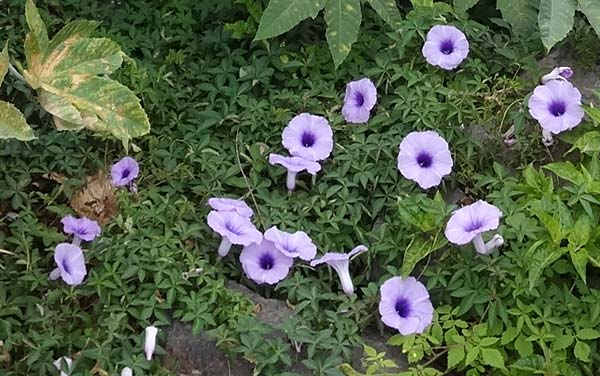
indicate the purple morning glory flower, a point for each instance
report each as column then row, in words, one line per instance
column 124, row 172
column 234, row 229
column 556, row 105
column 264, row 263
column 558, row 73
column 468, row 223
column 340, row 262
column 294, row 165
column 360, row 99
column 231, row 205
column 71, row 264
column 308, row 136
column 424, row 157
column 405, row 305
column 81, row 228
column 297, row 244
column 446, row 47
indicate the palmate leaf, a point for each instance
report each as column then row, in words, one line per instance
column 282, row 15
column 591, row 9
column 555, row 20
column 65, row 74
column 343, row 19
column 13, row 124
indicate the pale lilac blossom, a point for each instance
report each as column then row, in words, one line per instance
column 558, row 73
column 231, row 205
column 60, row 364
column 468, row 223
column 81, row 228
column 294, row 165
column 234, row 229
column 340, row 262
column 126, row 372
column 405, row 305
column 446, row 46
column 264, row 263
column 70, row 264
column 556, row 105
column 124, row 173
column 425, row 158
column 297, row 244
column 150, row 341
column 308, row 136
column 360, row 98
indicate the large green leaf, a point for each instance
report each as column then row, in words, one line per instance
column 36, row 25
column 520, row 14
column 282, row 15
column 13, row 124
column 65, row 74
column 388, row 11
column 464, row 5
column 555, row 20
column 418, row 250
column 3, row 62
column 343, row 19
column 591, row 9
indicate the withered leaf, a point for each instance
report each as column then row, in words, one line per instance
column 97, row 199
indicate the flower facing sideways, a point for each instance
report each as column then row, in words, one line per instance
column 297, row 244
column 424, row 157
column 360, row 99
column 558, row 73
column 124, row 172
column 468, row 223
column 150, row 341
column 294, row 165
column 340, row 262
column 234, row 229
column 126, row 372
column 309, row 137
column 231, row 205
column 446, row 47
column 264, row 263
column 70, row 264
column 81, row 228
column 405, row 305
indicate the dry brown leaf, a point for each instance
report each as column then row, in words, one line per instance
column 97, row 199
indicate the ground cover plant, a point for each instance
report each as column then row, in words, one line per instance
column 434, row 192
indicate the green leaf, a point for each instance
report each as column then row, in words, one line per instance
column 555, row 19
column 13, row 124
column 580, row 260
column 69, row 34
column 464, row 5
column 588, row 333
column 388, row 11
column 588, row 142
column 529, row 363
column 492, row 357
column 471, row 355
column 3, row 62
column 520, row 14
column 579, row 235
column 566, row 171
column 418, row 249
column 36, row 25
column 509, row 335
column 282, row 15
column 87, row 57
column 422, row 3
column 455, row 355
column 591, row 9
column 343, row 19
column 562, row 342
column 582, row 351
column 523, row 346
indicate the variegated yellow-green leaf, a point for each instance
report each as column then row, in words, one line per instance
column 343, row 19
column 387, row 10
column 69, row 34
column 282, row 15
column 3, row 62
column 36, row 25
column 13, row 124
column 66, row 116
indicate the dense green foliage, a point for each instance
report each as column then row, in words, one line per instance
column 217, row 105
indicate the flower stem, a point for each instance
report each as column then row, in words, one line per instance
column 345, row 280
column 547, row 138
column 291, row 180
column 487, row 248
column 224, row 247
column 76, row 240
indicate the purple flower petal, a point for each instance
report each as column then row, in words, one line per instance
column 83, row 228
column 556, row 105
column 340, row 262
column 237, row 229
column 469, row 221
column 405, row 305
column 71, row 263
column 446, row 47
column 295, row 164
column 558, row 73
column 124, row 172
column 308, row 136
column 360, row 99
column 231, row 205
column 424, row 157
column 297, row 244
column 264, row 263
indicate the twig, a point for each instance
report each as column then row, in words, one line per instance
column 239, row 163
